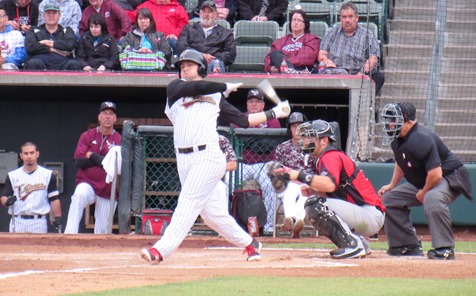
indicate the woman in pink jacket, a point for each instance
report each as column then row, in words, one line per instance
column 299, row 49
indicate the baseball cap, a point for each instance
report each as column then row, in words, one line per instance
column 107, row 105
column 52, row 5
column 255, row 93
column 408, row 111
column 209, row 4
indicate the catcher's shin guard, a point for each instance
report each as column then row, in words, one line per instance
column 328, row 224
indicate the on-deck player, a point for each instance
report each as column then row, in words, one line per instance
column 93, row 145
column 193, row 107
column 30, row 193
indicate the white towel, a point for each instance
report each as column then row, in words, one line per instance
column 112, row 163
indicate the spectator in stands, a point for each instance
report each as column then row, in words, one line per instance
column 70, row 14
column 289, row 154
column 22, row 14
column 263, row 10
column 91, row 187
column 170, row 17
column 50, row 46
column 12, row 50
column 145, row 37
column 118, row 23
column 97, row 50
column 257, row 153
column 435, row 178
column 227, row 10
column 216, row 43
column 299, row 48
column 350, row 48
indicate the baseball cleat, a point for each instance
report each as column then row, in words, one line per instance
column 347, row 253
column 151, row 255
column 408, row 250
column 253, row 251
column 441, row 254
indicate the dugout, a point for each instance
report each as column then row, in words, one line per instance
column 53, row 109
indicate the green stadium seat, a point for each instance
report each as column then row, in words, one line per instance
column 255, row 33
column 249, row 58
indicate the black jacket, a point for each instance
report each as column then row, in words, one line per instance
column 220, row 43
column 104, row 53
column 247, row 9
column 64, row 40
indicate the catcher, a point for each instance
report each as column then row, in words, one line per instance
column 343, row 204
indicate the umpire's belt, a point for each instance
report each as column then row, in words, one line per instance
column 191, row 149
column 30, row 216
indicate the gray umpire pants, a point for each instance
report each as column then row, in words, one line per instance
column 398, row 225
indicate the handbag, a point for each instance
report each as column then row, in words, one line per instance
column 132, row 59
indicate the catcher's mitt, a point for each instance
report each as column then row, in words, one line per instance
column 279, row 180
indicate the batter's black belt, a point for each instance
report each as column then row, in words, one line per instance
column 30, row 216
column 191, row 149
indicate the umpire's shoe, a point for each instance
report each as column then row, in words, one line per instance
column 253, row 251
column 151, row 255
column 441, row 254
column 408, row 250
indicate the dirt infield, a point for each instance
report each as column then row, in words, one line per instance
column 56, row 264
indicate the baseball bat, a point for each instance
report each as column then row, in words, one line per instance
column 269, row 91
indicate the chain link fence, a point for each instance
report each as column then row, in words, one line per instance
column 154, row 179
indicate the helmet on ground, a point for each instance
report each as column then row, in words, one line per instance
column 196, row 57
column 295, row 117
column 393, row 118
column 314, row 129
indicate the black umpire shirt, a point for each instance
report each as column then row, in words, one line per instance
column 420, row 151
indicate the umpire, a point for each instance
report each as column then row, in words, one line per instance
column 435, row 178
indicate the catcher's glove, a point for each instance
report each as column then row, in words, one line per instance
column 279, row 180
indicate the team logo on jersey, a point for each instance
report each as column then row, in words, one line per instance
column 25, row 190
column 189, row 101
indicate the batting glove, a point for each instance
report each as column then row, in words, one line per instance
column 231, row 87
column 11, row 200
column 58, row 223
column 282, row 110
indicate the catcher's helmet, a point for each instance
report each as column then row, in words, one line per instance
column 314, row 129
column 196, row 57
column 295, row 117
column 393, row 118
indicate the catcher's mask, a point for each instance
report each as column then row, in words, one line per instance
column 309, row 131
column 196, row 57
column 393, row 118
column 295, row 117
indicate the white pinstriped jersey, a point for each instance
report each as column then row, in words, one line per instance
column 32, row 191
column 195, row 119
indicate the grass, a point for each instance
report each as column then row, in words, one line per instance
column 303, row 286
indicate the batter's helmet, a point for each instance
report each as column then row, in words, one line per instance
column 295, row 117
column 393, row 118
column 196, row 57
column 314, row 129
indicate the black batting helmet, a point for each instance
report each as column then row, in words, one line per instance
column 295, row 117
column 196, row 57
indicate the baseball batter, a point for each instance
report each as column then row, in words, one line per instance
column 93, row 145
column 30, row 193
column 193, row 107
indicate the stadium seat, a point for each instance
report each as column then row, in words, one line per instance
column 190, row 5
column 249, row 58
column 223, row 23
column 318, row 28
column 255, row 33
column 315, row 10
